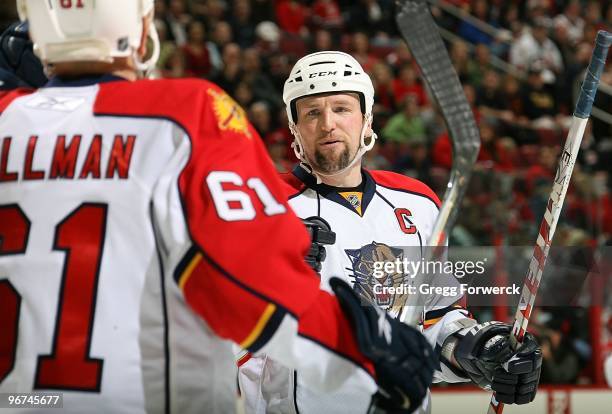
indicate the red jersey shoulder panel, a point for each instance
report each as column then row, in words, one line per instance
column 293, row 185
column 222, row 140
column 7, row 97
column 188, row 102
column 400, row 182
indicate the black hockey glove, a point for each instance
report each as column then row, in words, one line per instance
column 321, row 235
column 18, row 64
column 484, row 353
column 403, row 359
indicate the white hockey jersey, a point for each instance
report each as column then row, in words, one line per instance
column 143, row 227
column 387, row 217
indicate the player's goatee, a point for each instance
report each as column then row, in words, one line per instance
column 330, row 163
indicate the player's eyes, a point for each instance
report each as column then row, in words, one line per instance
column 313, row 112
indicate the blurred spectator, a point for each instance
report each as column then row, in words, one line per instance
column 373, row 160
column 535, row 48
column 406, row 126
column 322, row 40
column 243, row 24
column 283, row 134
column 213, row 12
column 539, row 11
column 369, row 15
column 382, row 78
column 488, row 142
column 221, row 36
column 400, row 56
column 593, row 13
column 261, row 86
column 560, row 364
column 175, row 65
column 292, row 16
column 414, row 161
column 229, row 77
column 479, row 65
column 506, row 155
column 442, row 152
column 489, row 96
column 360, row 50
column 176, row 20
column 279, row 67
column 407, row 83
column 268, row 37
column 567, row 47
column 537, row 182
column 460, row 57
column 512, row 100
column 326, row 15
column 197, row 57
column 166, row 46
column 471, row 32
column 571, row 20
column 261, row 117
column 509, row 15
column 503, row 106
column 276, row 145
column 243, row 94
column 539, row 101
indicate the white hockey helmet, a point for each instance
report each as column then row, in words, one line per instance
column 88, row 30
column 325, row 72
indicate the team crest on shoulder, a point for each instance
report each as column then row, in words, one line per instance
column 230, row 115
column 368, row 283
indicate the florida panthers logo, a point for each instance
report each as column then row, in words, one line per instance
column 229, row 114
column 364, row 278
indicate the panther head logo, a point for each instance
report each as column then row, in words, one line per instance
column 363, row 260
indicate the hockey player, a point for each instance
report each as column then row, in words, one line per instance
column 379, row 217
column 143, row 228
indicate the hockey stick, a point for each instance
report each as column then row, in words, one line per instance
column 421, row 33
column 557, row 196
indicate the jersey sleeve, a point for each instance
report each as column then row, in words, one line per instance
column 227, row 237
column 244, row 273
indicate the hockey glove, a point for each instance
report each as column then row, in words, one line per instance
column 321, row 235
column 403, row 359
column 484, row 353
column 18, row 64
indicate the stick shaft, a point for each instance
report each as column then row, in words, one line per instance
column 421, row 33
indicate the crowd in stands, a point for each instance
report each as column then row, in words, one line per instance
column 249, row 46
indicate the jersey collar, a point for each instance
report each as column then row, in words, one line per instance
column 331, row 192
column 57, row 82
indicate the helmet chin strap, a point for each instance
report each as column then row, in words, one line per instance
column 145, row 68
column 298, row 149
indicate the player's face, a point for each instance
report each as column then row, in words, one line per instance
column 330, row 127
